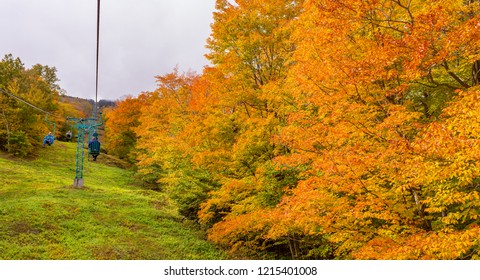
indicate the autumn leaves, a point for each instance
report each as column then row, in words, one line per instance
column 323, row 129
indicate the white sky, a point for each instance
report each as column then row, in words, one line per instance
column 139, row 39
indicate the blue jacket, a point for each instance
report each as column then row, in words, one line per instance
column 48, row 138
column 94, row 146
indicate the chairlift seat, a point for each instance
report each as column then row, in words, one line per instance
column 94, row 148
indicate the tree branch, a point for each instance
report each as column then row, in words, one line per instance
column 454, row 76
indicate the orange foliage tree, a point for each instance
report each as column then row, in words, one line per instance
column 120, row 125
column 251, row 52
column 373, row 78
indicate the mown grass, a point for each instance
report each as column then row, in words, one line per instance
column 42, row 216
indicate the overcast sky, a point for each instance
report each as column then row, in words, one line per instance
column 139, row 39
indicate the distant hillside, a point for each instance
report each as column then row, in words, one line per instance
column 86, row 105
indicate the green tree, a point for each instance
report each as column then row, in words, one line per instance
column 23, row 126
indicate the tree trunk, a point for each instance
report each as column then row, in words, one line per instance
column 476, row 73
column 293, row 244
column 421, row 211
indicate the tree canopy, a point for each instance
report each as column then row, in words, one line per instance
column 22, row 126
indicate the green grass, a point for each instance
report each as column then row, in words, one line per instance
column 42, row 216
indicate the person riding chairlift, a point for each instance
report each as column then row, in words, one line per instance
column 69, row 135
column 94, row 148
column 48, row 139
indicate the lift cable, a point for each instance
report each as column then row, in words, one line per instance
column 26, row 102
column 98, row 48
